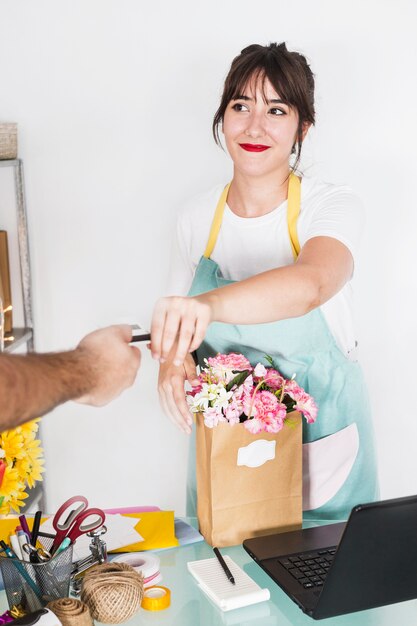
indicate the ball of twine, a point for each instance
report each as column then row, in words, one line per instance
column 112, row 591
column 71, row 612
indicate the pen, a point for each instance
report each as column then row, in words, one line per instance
column 20, row 569
column 35, row 527
column 14, row 542
column 22, row 539
column 25, row 527
column 224, row 566
column 64, row 544
column 48, row 535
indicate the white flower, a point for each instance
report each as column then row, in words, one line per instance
column 2, row 453
column 260, row 371
column 223, row 397
column 201, row 401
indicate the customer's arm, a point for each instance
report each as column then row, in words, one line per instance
column 98, row 370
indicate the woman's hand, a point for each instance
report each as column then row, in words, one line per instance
column 172, row 394
column 180, row 319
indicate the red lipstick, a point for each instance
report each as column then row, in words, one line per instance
column 254, row 147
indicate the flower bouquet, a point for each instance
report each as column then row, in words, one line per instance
column 21, row 465
column 232, row 391
column 249, row 477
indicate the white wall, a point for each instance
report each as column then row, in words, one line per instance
column 114, row 100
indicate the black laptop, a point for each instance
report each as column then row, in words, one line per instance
column 366, row 562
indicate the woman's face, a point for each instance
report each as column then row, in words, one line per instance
column 260, row 134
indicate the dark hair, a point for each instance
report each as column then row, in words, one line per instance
column 289, row 74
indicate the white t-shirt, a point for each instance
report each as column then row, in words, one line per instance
column 248, row 246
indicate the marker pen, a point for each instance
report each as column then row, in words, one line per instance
column 14, row 541
column 20, row 568
column 64, row 544
column 22, row 539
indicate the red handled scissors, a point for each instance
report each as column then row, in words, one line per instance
column 70, row 522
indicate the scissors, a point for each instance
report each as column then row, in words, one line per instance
column 70, row 522
column 37, row 555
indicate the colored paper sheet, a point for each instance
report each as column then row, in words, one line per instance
column 8, row 525
column 157, row 529
column 132, row 509
column 186, row 533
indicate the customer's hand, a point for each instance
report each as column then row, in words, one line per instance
column 179, row 319
column 171, row 391
column 112, row 363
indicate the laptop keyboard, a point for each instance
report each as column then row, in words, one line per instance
column 309, row 568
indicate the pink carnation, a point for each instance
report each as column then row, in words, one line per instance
column 267, row 410
column 246, row 389
column 254, row 425
column 213, row 416
column 306, row 405
column 293, row 389
column 233, row 411
column 223, row 365
column 273, row 379
column 232, row 361
column 303, row 401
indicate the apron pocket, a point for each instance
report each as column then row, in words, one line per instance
column 327, row 463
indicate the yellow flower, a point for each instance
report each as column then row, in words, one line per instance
column 30, row 469
column 23, row 454
column 13, row 502
column 29, row 429
column 12, row 444
column 33, row 448
column 11, row 484
column 12, row 493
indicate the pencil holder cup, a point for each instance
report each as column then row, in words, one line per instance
column 31, row 586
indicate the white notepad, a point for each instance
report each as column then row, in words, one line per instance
column 213, row 581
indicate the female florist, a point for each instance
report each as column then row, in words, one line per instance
column 249, row 454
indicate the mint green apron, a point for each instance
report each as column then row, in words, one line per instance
column 339, row 464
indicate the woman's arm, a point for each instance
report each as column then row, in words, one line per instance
column 322, row 269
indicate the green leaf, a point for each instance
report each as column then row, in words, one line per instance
column 238, row 379
column 268, row 358
column 291, row 422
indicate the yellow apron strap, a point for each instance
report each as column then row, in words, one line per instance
column 216, row 223
column 293, row 211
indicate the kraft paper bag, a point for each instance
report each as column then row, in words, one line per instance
column 248, row 485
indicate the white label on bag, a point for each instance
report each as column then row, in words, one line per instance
column 256, row 453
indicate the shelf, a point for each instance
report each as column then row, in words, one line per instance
column 8, row 162
column 23, row 336
column 20, row 336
